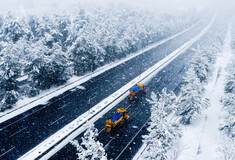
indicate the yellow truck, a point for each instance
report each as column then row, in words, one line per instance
column 118, row 119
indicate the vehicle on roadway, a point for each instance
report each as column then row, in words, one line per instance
column 136, row 90
column 118, row 119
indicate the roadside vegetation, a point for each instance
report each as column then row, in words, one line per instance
column 226, row 146
column 170, row 112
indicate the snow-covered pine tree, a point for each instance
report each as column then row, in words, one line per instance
column 203, row 61
column 225, row 149
column 229, row 124
column 9, row 70
column 12, row 29
column 50, row 68
column 169, row 100
column 90, row 148
column 161, row 131
column 201, row 65
column 229, row 102
column 190, row 102
column 230, row 79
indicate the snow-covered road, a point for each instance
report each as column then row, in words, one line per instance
column 200, row 139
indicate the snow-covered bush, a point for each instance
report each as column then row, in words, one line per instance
column 90, row 149
column 162, row 132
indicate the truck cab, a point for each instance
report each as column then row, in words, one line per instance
column 135, row 90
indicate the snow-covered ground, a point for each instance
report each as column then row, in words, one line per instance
column 200, row 139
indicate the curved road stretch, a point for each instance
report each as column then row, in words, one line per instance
column 125, row 142
column 18, row 135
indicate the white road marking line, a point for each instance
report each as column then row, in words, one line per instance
column 128, row 106
column 108, row 143
column 18, row 131
column 55, row 121
column 131, row 140
column 64, row 105
column 20, row 119
column 101, row 131
column 115, row 84
column 7, row 151
column 33, row 112
column 93, row 89
column 90, row 98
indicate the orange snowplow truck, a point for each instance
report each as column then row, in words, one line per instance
column 137, row 89
column 117, row 120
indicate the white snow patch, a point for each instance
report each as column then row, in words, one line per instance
column 22, row 78
column 135, row 127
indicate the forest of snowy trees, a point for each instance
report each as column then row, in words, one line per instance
column 50, row 49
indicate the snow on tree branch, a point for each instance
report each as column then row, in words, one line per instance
column 162, row 132
column 192, row 100
column 90, row 149
column 229, row 101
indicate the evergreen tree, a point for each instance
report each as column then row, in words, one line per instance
column 161, row 131
column 9, row 70
column 226, row 148
column 90, row 149
column 229, row 124
column 11, row 30
column 191, row 102
column 230, row 79
column 229, row 102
